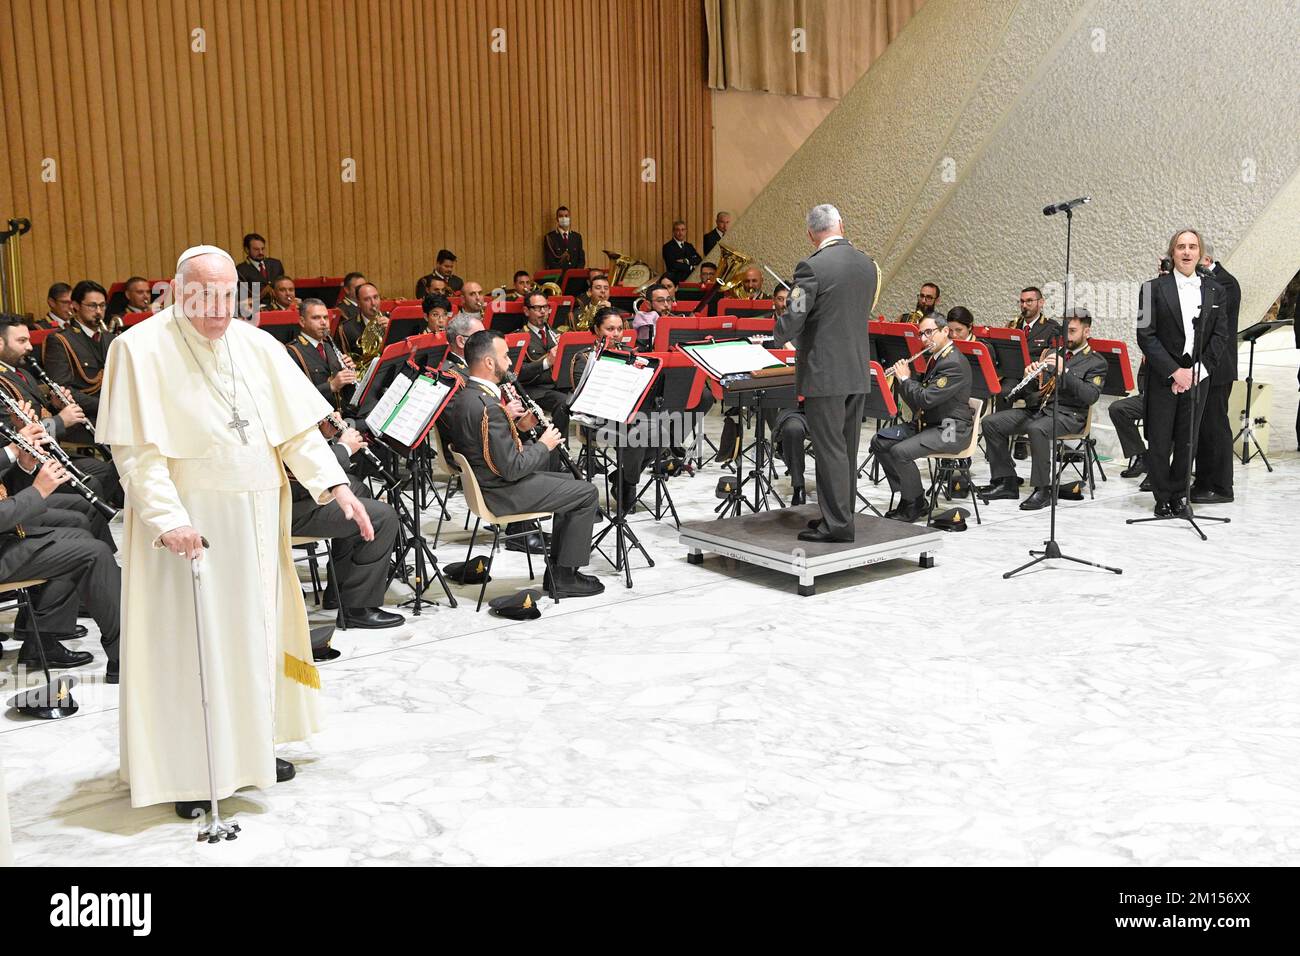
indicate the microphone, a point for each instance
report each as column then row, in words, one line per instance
column 1065, row 206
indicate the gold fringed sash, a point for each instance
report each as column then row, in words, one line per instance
column 302, row 672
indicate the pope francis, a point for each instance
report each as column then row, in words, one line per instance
column 203, row 415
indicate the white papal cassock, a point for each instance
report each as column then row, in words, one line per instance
column 181, row 464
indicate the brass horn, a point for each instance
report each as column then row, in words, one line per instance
column 732, row 266
column 628, row 270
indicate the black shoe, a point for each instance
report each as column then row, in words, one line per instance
column 321, row 655
column 328, row 600
column 627, row 499
column 573, row 584
column 56, row 655
column 284, row 770
column 910, row 511
column 1208, row 496
column 1162, row 509
column 821, row 537
column 1137, row 467
column 1041, row 498
column 1146, row 484
column 371, row 618
column 814, row 524
column 535, row 543
column 111, row 675
column 999, row 489
column 192, row 809
column 798, row 497
column 1178, row 507
column 1020, row 449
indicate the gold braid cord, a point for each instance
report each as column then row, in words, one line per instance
column 92, row 381
column 39, row 411
column 487, row 449
column 299, row 670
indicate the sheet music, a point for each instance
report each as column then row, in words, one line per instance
column 612, row 388
column 383, row 409
column 362, row 385
column 729, row 358
column 416, row 409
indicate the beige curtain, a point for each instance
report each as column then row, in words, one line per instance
column 753, row 44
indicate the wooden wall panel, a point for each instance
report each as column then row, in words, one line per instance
column 159, row 147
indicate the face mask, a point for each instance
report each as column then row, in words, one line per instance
column 564, row 222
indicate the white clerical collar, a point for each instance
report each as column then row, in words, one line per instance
column 492, row 387
column 827, row 241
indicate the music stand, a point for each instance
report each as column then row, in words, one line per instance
column 1010, row 350
column 1247, row 430
column 612, row 393
column 402, row 419
column 282, row 324
column 571, row 345
column 428, row 349
column 678, row 391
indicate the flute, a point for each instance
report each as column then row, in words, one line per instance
column 1031, row 373
column 889, row 372
column 78, row 484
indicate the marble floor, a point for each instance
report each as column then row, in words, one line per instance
column 710, row 716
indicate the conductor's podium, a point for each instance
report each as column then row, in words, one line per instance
column 769, row 539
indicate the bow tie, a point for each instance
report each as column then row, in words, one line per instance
column 1187, row 282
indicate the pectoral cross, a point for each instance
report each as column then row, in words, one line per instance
column 239, row 425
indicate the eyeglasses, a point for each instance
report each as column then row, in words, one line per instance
column 926, row 333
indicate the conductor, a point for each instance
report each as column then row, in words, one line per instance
column 834, row 292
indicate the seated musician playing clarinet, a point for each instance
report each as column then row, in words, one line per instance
column 512, row 474
column 941, row 422
column 1078, row 377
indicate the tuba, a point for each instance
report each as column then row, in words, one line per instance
column 732, row 266
column 912, row 318
column 627, row 270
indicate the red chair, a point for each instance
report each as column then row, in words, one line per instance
column 335, row 318
column 388, row 305
column 406, row 312
column 135, row 318
column 282, row 323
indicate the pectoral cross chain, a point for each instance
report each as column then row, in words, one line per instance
column 239, row 425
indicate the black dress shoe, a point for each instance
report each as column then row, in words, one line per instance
column 573, row 584
column 372, row 618
column 1209, row 496
column 112, row 674
column 1178, row 507
column 910, row 511
column 822, row 537
column 192, row 809
column 798, row 497
column 1020, row 449
column 328, row 601
column 1146, row 484
column 1138, row 467
column 284, row 770
column 56, row 655
column 814, row 524
column 1000, row 488
column 1041, row 498
column 534, row 543
column 321, row 655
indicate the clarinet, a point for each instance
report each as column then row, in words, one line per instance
column 57, row 390
column 343, row 364
column 542, row 421
column 335, row 419
column 59, row 454
column 77, row 481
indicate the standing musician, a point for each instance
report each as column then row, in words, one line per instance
column 562, row 247
column 1183, row 336
column 74, row 356
column 22, row 386
column 542, row 352
column 834, row 292
column 941, row 416
column 512, row 475
column 1077, row 379
column 332, row 372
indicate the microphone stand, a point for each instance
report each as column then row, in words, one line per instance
column 1051, row 548
column 1193, row 438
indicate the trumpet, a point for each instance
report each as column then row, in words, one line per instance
column 511, row 384
column 78, row 479
column 335, row 419
column 57, row 390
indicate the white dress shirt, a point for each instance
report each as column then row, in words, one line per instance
column 827, row 241
column 493, row 387
column 1189, row 299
